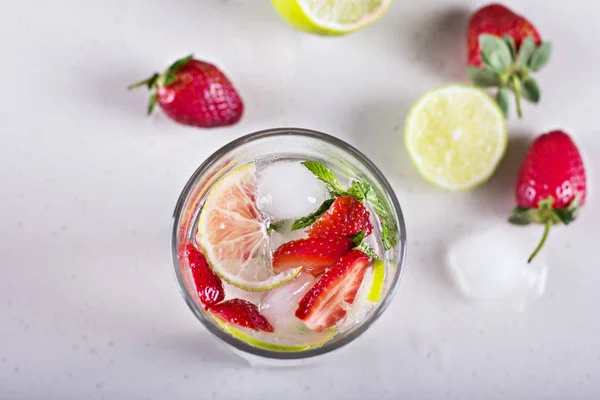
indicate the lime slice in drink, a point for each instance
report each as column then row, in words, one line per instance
column 456, row 136
column 232, row 233
column 301, row 339
column 377, row 281
column 331, row 17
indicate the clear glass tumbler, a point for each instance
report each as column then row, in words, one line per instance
column 282, row 144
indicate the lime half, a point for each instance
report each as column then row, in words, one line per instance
column 331, row 17
column 301, row 340
column 456, row 136
column 233, row 235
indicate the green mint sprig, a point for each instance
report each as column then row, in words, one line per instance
column 307, row 221
column 359, row 242
column 360, row 190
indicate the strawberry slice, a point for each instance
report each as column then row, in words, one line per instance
column 243, row 313
column 346, row 217
column 208, row 284
column 326, row 303
column 313, row 254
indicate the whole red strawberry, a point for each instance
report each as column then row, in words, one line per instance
column 346, row 217
column 503, row 48
column 208, row 284
column 196, row 93
column 551, row 185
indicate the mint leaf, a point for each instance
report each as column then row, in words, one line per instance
column 365, row 248
column 358, row 238
column 389, row 230
column 483, row 78
column 362, row 191
column 307, row 221
column 540, row 56
column 359, row 190
column 526, row 51
column 326, row 175
column 275, row 226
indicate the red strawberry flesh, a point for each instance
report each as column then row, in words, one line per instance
column 346, row 217
column 326, row 302
column 313, row 254
column 497, row 20
column 553, row 168
column 243, row 313
column 208, row 284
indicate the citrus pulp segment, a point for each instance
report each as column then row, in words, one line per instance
column 233, row 235
column 456, row 136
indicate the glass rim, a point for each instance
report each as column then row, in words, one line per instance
column 328, row 346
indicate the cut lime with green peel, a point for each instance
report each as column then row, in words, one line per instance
column 456, row 136
column 377, row 281
column 331, row 17
column 301, row 340
column 233, row 234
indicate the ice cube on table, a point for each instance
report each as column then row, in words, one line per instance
column 492, row 265
column 279, row 305
column 287, row 190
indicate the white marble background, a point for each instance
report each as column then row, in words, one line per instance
column 88, row 304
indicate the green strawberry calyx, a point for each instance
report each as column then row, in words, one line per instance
column 546, row 215
column 510, row 70
column 166, row 78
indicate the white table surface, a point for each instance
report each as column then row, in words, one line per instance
column 88, row 304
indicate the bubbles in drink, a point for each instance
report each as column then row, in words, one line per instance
column 492, row 265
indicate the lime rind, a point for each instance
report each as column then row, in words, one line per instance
column 377, row 281
column 262, row 286
column 257, row 264
column 339, row 18
column 433, row 166
column 274, row 341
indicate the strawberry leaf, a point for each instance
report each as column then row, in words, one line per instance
column 180, row 63
column 566, row 216
column 503, row 100
column 510, row 42
column 495, row 53
column 326, row 175
column 526, row 51
column 520, row 216
column 152, row 102
column 531, row 90
column 310, row 219
column 540, row 56
column 483, row 78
